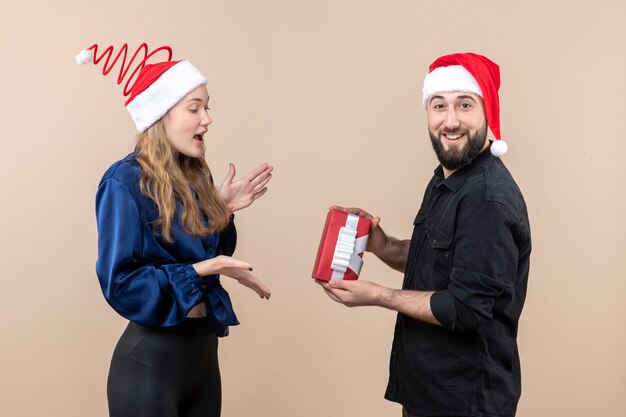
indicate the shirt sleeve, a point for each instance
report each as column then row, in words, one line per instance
column 152, row 292
column 484, row 267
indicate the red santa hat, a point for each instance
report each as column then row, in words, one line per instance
column 157, row 88
column 473, row 73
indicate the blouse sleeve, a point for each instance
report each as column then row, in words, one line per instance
column 149, row 292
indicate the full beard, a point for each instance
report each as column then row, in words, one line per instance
column 456, row 158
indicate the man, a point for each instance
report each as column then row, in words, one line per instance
column 466, row 266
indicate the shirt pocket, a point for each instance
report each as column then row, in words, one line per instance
column 419, row 218
column 418, row 233
column 439, row 244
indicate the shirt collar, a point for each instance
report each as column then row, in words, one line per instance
column 458, row 178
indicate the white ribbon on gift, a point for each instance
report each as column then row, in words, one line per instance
column 348, row 248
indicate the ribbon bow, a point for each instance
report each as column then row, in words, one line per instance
column 348, row 249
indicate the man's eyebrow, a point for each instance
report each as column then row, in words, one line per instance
column 461, row 97
column 466, row 96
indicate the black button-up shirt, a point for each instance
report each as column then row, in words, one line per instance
column 471, row 245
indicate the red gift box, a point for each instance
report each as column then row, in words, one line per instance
column 342, row 245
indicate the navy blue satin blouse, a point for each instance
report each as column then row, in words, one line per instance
column 144, row 278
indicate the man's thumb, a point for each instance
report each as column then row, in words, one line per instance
column 336, row 284
column 375, row 221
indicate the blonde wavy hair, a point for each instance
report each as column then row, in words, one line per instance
column 169, row 176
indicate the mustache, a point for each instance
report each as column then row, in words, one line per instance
column 453, row 131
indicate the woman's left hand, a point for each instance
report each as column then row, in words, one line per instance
column 241, row 193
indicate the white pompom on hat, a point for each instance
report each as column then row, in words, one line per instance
column 84, row 57
column 157, row 88
column 473, row 73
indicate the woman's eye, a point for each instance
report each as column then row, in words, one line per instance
column 193, row 110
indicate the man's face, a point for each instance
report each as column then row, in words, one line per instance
column 457, row 128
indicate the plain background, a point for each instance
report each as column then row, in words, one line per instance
column 329, row 92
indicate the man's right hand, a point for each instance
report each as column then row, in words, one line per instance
column 378, row 239
column 391, row 251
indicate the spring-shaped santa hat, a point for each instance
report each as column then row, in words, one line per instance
column 157, row 88
column 473, row 73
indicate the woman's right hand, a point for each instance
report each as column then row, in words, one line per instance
column 233, row 268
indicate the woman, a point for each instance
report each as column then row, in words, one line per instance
column 165, row 234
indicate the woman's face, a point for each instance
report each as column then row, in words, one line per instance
column 186, row 123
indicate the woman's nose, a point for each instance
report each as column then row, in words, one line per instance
column 206, row 119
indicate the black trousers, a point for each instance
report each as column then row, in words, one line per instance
column 168, row 372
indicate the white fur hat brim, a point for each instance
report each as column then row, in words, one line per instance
column 447, row 80
column 163, row 94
